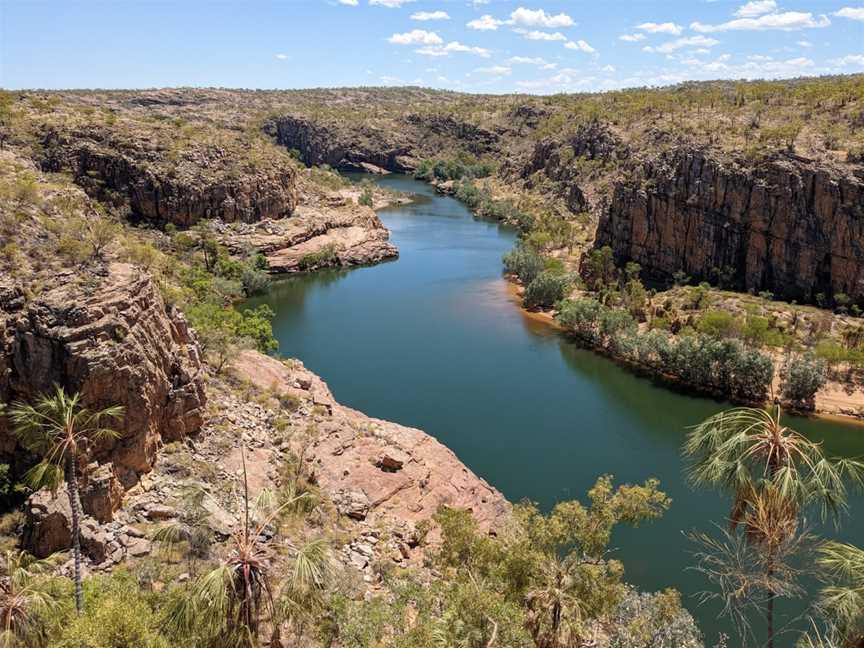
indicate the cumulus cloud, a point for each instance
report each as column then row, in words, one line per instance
column 849, row 60
column 416, row 37
column 430, row 15
column 542, row 63
column 632, row 38
column 539, row 18
column 495, row 70
column 689, row 41
column 661, row 28
column 282, row 57
column 804, row 43
column 541, row 35
column 452, row 46
column 350, row 3
column 580, row 45
column 608, row 68
column 390, row 4
column 786, row 21
column 855, row 13
column 756, row 8
column 485, row 23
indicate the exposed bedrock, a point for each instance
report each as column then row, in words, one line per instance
column 786, row 225
column 203, row 182
column 394, row 147
column 116, row 343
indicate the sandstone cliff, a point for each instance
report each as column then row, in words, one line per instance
column 786, row 225
column 163, row 185
column 117, row 343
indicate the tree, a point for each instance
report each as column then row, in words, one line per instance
column 59, row 430
column 841, row 601
column 805, row 375
column 770, row 469
column 24, row 600
column 227, row 605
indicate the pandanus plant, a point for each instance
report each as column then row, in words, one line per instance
column 24, row 600
column 841, row 601
column 773, row 473
column 59, row 430
column 227, row 606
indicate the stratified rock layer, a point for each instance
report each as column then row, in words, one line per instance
column 202, row 182
column 786, row 225
column 115, row 343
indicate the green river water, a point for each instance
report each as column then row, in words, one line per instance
column 434, row 340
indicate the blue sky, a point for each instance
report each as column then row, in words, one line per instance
column 471, row 45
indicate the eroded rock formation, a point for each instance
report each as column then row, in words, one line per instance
column 785, row 225
column 203, row 182
column 114, row 341
column 373, row 468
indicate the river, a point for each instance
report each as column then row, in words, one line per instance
column 434, row 340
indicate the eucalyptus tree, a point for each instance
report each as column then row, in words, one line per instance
column 60, row 431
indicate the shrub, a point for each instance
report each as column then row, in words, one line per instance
column 524, row 262
column 805, row 375
column 548, row 288
column 326, row 256
column 717, row 324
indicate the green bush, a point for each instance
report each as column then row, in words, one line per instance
column 524, row 262
column 326, row 256
column 805, row 375
column 548, row 288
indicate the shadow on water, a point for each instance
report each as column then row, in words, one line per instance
column 433, row 340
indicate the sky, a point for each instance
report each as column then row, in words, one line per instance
column 488, row 46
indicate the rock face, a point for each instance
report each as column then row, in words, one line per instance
column 204, row 183
column 338, row 146
column 374, row 468
column 316, row 237
column 116, row 343
column 393, row 147
column 788, row 226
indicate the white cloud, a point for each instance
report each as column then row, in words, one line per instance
column 580, row 45
column 391, row 80
column 485, row 23
column 350, row 3
column 849, row 59
column 497, row 70
column 632, row 38
column 689, row 41
column 542, row 63
column 390, row 4
column 855, row 13
column 539, row 18
column 282, row 57
column 804, row 43
column 786, row 21
column 453, row 46
column 416, row 37
column 541, row 35
column 756, row 8
column 608, row 68
column 430, row 15
column 661, row 28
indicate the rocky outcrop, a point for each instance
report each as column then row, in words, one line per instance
column 201, row 182
column 116, row 342
column 315, row 237
column 786, row 225
column 341, row 147
column 394, row 147
column 372, row 468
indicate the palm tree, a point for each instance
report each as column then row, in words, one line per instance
column 59, row 430
column 226, row 605
column 842, row 599
column 24, row 601
column 773, row 473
